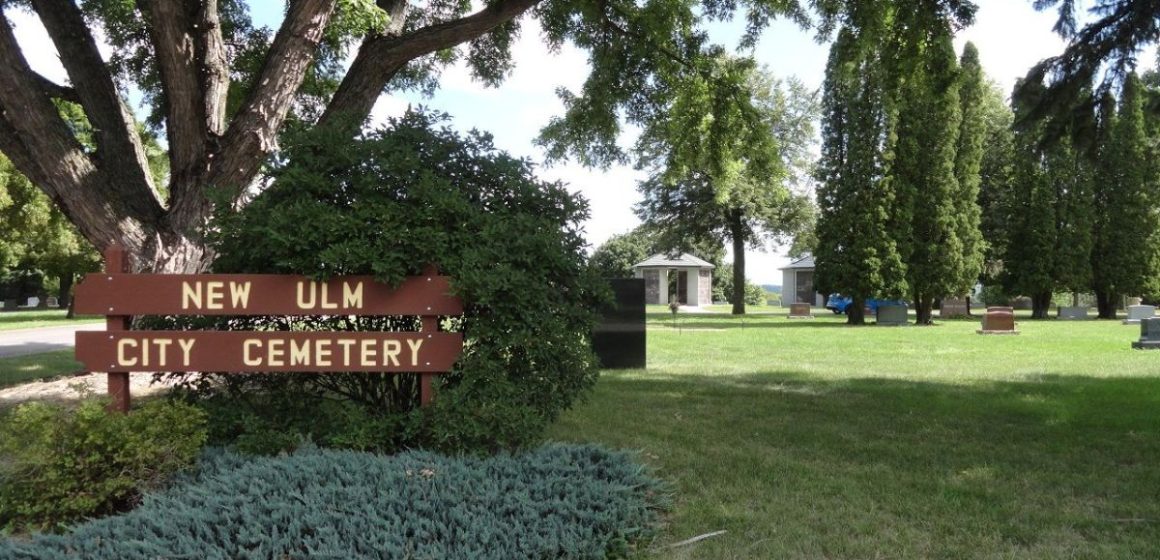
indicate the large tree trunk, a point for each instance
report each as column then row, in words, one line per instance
column 1106, row 305
column 856, row 311
column 64, row 294
column 923, row 309
column 1040, row 304
column 737, row 232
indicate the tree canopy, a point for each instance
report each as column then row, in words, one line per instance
column 223, row 89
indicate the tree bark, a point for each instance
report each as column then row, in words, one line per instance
column 737, row 233
column 42, row 146
column 923, row 309
column 64, row 294
column 856, row 311
column 1106, row 305
column 120, row 155
column 1040, row 304
column 380, row 58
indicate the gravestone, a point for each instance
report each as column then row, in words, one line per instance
column 11, row 305
column 800, row 311
column 892, row 315
column 619, row 338
column 1138, row 312
column 52, row 302
column 1149, row 334
column 999, row 320
column 953, row 307
column 32, row 302
column 1073, row 313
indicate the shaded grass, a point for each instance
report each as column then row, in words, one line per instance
column 10, row 320
column 22, row 369
column 808, row 439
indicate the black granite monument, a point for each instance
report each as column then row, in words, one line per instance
column 619, row 339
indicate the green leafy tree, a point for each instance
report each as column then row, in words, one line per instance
column 718, row 174
column 1124, row 259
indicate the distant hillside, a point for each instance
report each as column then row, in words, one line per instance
column 771, row 288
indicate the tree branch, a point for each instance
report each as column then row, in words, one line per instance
column 44, row 148
column 253, row 132
column 119, row 149
column 211, row 51
column 56, row 91
column 380, row 58
column 176, row 56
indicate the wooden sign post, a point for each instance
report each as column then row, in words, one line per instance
column 120, row 296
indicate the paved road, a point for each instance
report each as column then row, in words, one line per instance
column 46, row 339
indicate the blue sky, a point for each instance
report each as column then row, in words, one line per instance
column 1010, row 36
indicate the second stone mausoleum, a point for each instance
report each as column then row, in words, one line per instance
column 683, row 277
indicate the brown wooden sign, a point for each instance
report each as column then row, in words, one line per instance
column 261, row 294
column 268, row 351
column 120, row 350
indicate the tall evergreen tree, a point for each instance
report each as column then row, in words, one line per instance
column 996, row 174
column 924, row 176
column 969, row 154
column 894, row 220
column 855, row 254
column 1125, row 258
column 1069, row 173
column 1049, row 245
column 1028, row 263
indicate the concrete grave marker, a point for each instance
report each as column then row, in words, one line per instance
column 999, row 320
column 953, row 307
column 800, row 311
column 1149, row 334
column 1136, row 313
column 52, row 302
column 1073, row 313
column 892, row 315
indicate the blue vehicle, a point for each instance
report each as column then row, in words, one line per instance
column 839, row 303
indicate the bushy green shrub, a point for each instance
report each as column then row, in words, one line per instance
column 389, row 204
column 554, row 502
column 60, row 464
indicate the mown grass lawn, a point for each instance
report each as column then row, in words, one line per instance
column 28, row 319
column 22, row 369
column 30, row 368
column 811, row 439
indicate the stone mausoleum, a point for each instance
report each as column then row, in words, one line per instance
column 684, row 277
